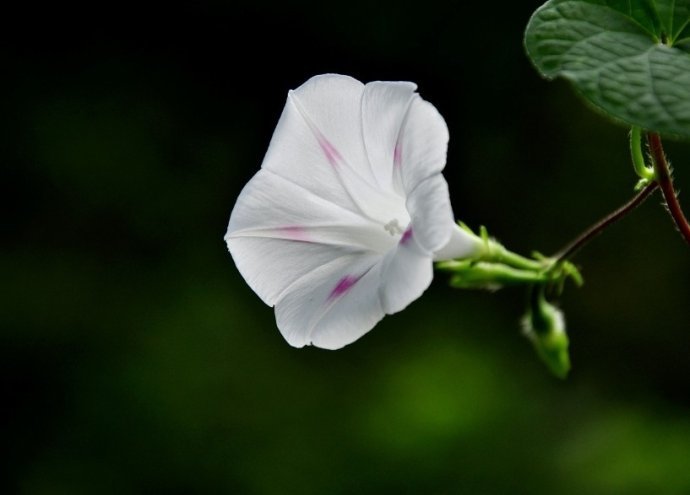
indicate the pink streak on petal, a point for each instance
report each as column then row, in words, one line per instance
column 295, row 232
column 329, row 150
column 397, row 154
column 407, row 235
column 343, row 285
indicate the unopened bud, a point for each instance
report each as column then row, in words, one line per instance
column 544, row 326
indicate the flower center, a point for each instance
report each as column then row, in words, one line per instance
column 388, row 224
column 393, row 227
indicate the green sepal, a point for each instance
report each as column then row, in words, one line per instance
column 494, row 266
column 490, row 276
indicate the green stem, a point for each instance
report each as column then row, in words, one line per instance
column 663, row 174
column 645, row 172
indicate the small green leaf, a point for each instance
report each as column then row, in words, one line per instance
column 629, row 58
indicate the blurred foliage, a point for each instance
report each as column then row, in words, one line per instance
column 136, row 360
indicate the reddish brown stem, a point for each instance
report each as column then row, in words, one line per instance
column 663, row 177
column 596, row 229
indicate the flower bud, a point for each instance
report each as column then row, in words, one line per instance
column 544, row 326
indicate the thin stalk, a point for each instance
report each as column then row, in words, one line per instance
column 663, row 177
column 641, row 168
column 579, row 242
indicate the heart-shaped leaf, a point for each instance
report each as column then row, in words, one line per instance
column 629, row 58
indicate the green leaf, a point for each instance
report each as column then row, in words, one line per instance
column 629, row 58
column 674, row 16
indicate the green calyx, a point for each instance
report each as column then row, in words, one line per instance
column 494, row 267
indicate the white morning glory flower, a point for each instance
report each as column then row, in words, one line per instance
column 349, row 210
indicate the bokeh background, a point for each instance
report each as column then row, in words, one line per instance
column 134, row 358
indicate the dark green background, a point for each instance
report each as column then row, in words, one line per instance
column 134, row 358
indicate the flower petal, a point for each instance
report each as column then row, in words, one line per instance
column 272, row 266
column 332, row 104
column 271, row 206
column 318, row 145
column 384, row 108
column 279, row 233
column 423, row 144
column 431, row 213
column 460, row 245
column 406, row 274
column 334, row 305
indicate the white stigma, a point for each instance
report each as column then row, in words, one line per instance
column 393, row 227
